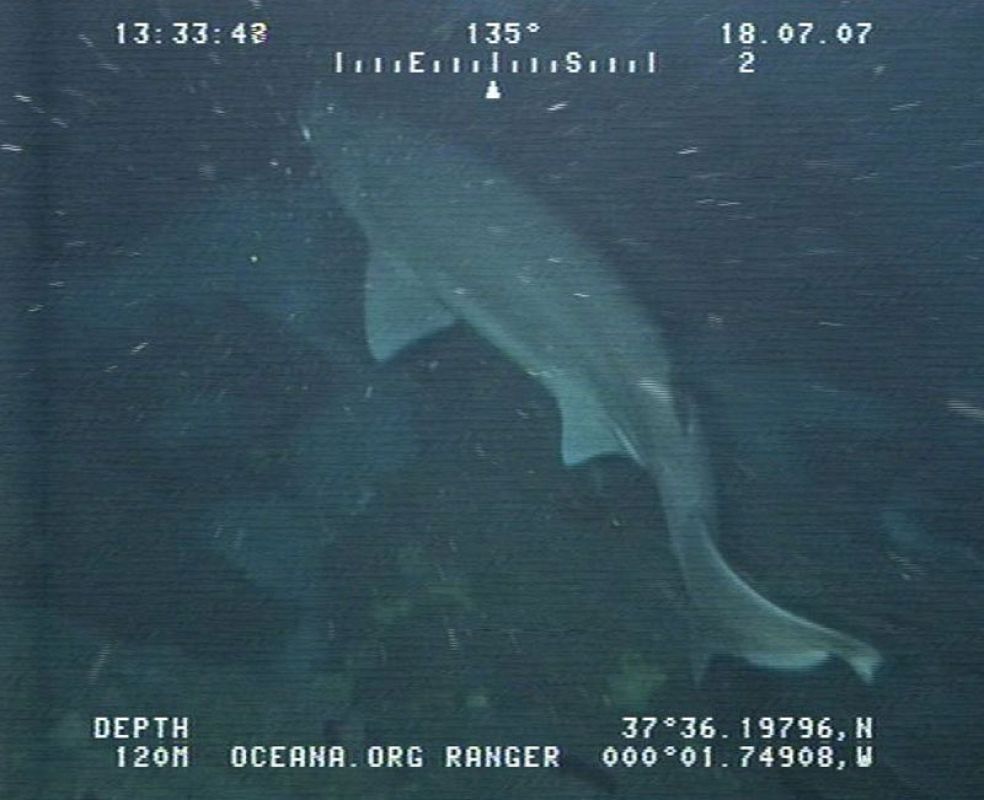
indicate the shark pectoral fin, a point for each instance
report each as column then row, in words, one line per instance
column 400, row 309
column 586, row 429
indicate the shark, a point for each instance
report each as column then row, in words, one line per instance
column 454, row 238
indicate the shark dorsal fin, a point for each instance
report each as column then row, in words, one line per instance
column 587, row 430
column 400, row 309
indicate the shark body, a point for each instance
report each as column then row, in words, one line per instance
column 452, row 239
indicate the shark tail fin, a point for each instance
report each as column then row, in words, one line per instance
column 861, row 658
column 737, row 620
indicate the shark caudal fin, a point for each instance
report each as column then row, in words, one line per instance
column 733, row 618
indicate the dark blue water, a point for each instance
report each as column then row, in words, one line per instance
column 217, row 505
